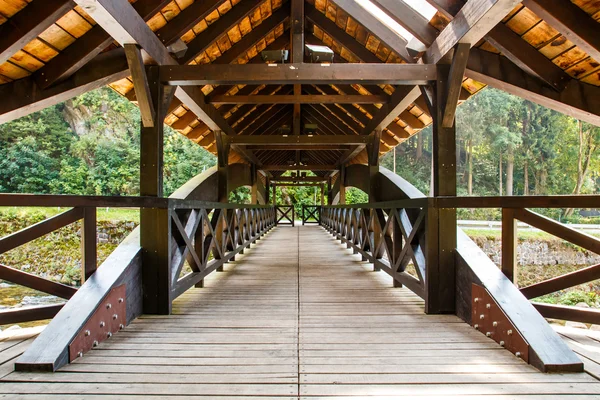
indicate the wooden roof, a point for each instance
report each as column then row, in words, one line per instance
column 44, row 44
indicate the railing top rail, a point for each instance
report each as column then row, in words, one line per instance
column 407, row 203
column 59, row 200
column 559, row 201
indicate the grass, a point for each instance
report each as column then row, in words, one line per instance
column 104, row 214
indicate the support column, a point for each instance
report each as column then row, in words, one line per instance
column 342, row 184
column 441, row 224
column 155, row 227
column 274, row 201
column 254, row 187
column 322, row 194
column 223, row 147
column 373, row 153
column 297, row 56
column 329, row 199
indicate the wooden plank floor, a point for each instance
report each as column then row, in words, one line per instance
column 298, row 316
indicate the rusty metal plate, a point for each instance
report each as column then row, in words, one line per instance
column 488, row 318
column 109, row 318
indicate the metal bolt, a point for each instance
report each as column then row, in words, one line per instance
column 80, row 354
column 102, row 324
column 476, row 326
column 502, row 343
column 488, row 306
column 115, row 316
column 108, row 306
column 121, row 300
column 495, row 323
column 87, row 333
column 518, row 354
column 481, row 316
column 95, row 344
column 509, row 332
column 109, row 334
column 476, row 299
column 488, row 334
column 121, row 326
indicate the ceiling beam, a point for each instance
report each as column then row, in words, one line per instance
column 186, row 20
column 578, row 100
column 474, row 20
column 310, row 167
column 410, row 19
column 140, row 84
column 574, row 23
column 88, row 46
column 318, row 74
column 515, row 48
column 339, row 35
column 293, row 146
column 394, row 41
column 400, row 100
column 350, row 154
column 28, row 23
column 297, row 99
column 24, row 96
column 299, row 179
column 287, row 140
column 124, row 24
column 205, row 39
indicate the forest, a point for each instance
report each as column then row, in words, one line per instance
column 505, row 146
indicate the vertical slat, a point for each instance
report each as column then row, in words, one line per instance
column 89, row 259
column 509, row 244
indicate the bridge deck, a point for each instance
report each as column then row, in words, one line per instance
column 298, row 316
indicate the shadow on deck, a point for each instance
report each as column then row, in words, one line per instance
column 298, row 316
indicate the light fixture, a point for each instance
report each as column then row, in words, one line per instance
column 318, row 54
column 177, row 49
column 274, row 56
column 310, row 129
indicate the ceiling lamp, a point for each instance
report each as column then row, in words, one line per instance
column 319, row 54
column 275, row 56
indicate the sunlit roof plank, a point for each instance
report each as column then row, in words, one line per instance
column 406, row 16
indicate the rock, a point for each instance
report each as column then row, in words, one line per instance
column 25, row 267
column 578, row 325
column 5, row 285
column 582, row 305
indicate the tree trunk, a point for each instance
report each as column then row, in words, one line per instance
column 510, row 167
column 526, row 179
column 470, row 167
column 419, row 146
column 500, row 174
column 586, row 149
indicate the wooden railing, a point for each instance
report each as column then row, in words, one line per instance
column 390, row 235
column 380, row 232
column 206, row 235
column 286, row 215
column 311, row 214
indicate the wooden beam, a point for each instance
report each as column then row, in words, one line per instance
column 126, row 26
column 574, row 23
column 299, row 179
column 300, row 146
column 205, row 39
column 400, row 100
column 140, row 84
column 297, row 99
column 87, row 47
column 475, row 19
column 457, row 73
column 310, row 167
column 24, row 96
column 513, row 47
column 28, row 23
column 349, row 155
column 349, row 42
column 186, row 20
column 287, row 140
column 236, row 74
column 376, row 27
column 578, row 100
column 410, row 19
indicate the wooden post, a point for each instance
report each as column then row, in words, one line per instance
column 155, row 224
column 274, row 201
column 329, row 199
column 441, row 224
column 342, row 184
column 223, row 147
column 254, row 188
column 509, row 244
column 89, row 256
column 322, row 194
column 373, row 154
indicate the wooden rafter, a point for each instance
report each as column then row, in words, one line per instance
column 410, row 19
column 185, row 20
column 474, row 20
column 297, row 99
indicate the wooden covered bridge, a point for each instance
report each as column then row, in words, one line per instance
column 386, row 299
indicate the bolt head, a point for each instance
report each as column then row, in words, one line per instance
column 509, row 332
column 502, row 343
column 481, row 316
column 102, row 324
column 488, row 306
column 95, row 344
column 108, row 306
column 495, row 323
column 87, row 333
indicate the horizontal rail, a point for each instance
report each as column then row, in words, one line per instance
column 26, row 314
column 35, row 282
column 561, row 201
